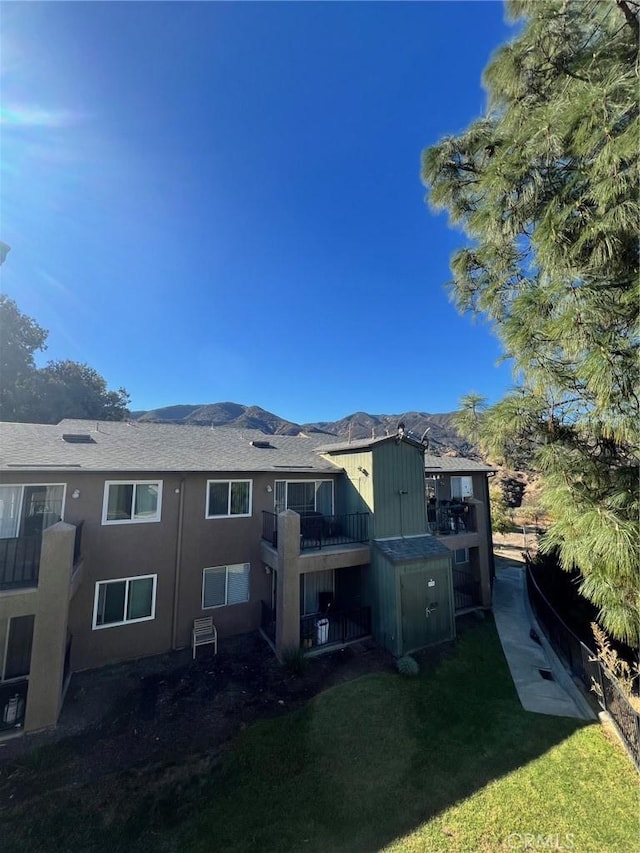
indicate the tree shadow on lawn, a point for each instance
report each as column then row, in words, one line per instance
column 360, row 765
column 166, row 709
column 367, row 763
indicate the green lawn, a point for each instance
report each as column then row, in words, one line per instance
column 445, row 761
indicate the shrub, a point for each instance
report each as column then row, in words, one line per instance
column 407, row 666
column 295, row 660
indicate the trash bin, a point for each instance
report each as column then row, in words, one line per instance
column 322, row 631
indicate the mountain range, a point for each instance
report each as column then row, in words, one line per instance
column 440, row 432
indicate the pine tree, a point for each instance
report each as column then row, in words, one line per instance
column 545, row 187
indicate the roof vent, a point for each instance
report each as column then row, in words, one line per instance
column 264, row 445
column 77, row 438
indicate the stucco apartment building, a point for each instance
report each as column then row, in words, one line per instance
column 114, row 537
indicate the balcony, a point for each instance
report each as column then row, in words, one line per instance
column 20, row 559
column 13, row 704
column 446, row 519
column 323, row 630
column 334, row 628
column 466, row 591
column 319, row 531
column 268, row 621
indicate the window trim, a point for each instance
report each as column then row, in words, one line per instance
column 134, row 483
column 22, row 487
column 96, row 627
column 316, row 481
column 229, row 514
column 226, row 586
column 457, row 562
column 469, row 484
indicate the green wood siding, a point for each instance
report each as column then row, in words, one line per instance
column 392, row 489
column 426, row 599
column 400, row 595
column 355, row 491
column 399, row 490
column 384, row 603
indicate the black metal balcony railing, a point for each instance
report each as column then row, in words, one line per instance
column 77, row 545
column 321, row 531
column 466, row 590
column 268, row 621
column 270, row 528
column 447, row 519
column 20, row 561
column 13, row 704
column 334, row 627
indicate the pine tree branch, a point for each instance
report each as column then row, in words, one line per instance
column 632, row 20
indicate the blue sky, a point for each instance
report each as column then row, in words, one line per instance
column 222, row 201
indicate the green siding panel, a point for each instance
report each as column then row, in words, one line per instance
column 426, row 598
column 355, row 491
column 399, row 490
column 400, row 596
column 384, row 602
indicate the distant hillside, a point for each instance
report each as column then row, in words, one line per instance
column 221, row 414
column 439, row 429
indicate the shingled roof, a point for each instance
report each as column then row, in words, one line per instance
column 133, row 446
column 454, row 465
column 406, row 549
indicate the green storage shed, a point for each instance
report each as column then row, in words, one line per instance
column 411, row 593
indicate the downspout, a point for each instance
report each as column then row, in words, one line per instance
column 178, row 566
column 492, row 566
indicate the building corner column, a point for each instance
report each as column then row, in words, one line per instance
column 288, row 583
column 44, row 697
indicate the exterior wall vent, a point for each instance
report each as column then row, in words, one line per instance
column 77, row 438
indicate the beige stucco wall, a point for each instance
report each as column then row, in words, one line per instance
column 127, row 550
column 49, row 603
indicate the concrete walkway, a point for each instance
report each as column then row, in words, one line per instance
column 514, row 620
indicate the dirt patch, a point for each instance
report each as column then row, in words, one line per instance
column 513, row 545
column 169, row 710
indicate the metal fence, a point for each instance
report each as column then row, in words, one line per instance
column 445, row 519
column 13, row 704
column 583, row 663
column 20, row 561
column 334, row 627
column 321, row 531
column 77, row 544
column 268, row 620
column 466, row 590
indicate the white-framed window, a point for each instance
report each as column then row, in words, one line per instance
column 461, row 487
column 131, row 501
column 222, row 585
column 461, row 555
column 304, row 496
column 124, row 600
column 229, row 498
column 27, row 509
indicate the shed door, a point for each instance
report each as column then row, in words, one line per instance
column 426, row 608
